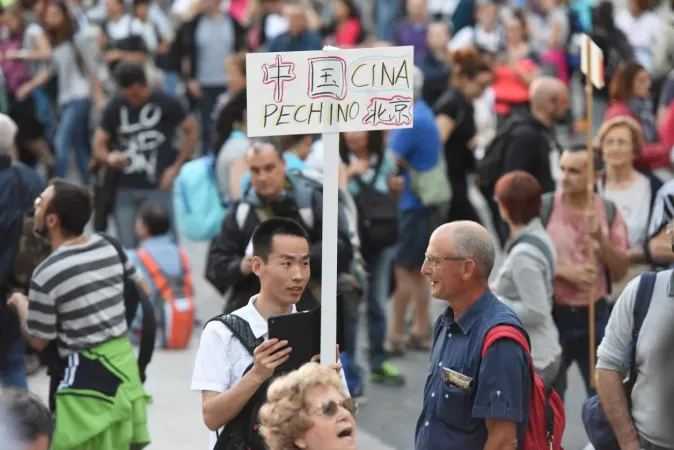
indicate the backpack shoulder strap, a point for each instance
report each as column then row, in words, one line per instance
column 158, row 278
column 499, row 332
column 536, row 242
column 641, row 305
column 611, row 211
column 241, row 330
column 547, row 203
column 149, row 324
column 187, row 273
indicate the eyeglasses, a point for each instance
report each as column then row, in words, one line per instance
column 433, row 261
column 329, row 408
column 624, row 143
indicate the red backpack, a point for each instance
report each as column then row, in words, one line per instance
column 546, row 410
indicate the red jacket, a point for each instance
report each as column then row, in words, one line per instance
column 653, row 155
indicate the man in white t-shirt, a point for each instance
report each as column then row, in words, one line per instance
column 281, row 261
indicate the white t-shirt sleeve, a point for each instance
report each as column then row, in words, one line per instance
column 212, row 369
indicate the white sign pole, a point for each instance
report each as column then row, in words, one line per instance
column 329, row 317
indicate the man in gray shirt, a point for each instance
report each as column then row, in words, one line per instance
column 648, row 425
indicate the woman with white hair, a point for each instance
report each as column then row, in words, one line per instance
column 308, row 409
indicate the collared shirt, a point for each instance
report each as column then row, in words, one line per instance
column 500, row 384
column 222, row 359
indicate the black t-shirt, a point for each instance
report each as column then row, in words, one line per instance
column 145, row 135
column 458, row 108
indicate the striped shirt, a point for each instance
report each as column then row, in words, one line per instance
column 663, row 209
column 77, row 296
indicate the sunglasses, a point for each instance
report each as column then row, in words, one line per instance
column 329, row 408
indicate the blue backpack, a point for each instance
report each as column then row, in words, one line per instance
column 197, row 203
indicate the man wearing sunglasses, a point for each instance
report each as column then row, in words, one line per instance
column 470, row 402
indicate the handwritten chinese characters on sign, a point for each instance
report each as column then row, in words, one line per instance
column 335, row 91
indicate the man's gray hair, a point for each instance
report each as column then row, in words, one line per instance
column 8, row 130
column 471, row 246
column 418, row 83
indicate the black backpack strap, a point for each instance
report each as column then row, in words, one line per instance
column 547, row 203
column 641, row 305
column 611, row 212
column 241, row 330
column 536, row 242
column 549, row 414
column 134, row 294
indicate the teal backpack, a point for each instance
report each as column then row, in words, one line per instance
column 197, row 203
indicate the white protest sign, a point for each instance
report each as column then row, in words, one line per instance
column 329, row 91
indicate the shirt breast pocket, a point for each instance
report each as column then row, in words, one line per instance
column 454, row 406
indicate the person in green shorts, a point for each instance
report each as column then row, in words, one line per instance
column 76, row 300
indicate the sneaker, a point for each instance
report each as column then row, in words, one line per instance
column 358, row 395
column 387, row 374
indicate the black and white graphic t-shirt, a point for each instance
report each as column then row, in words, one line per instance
column 145, row 135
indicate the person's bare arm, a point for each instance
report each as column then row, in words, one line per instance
column 219, row 408
column 661, row 250
column 501, row 435
column 445, row 126
column 614, row 403
column 615, row 258
column 42, row 50
column 101, row 146
column 191, row 132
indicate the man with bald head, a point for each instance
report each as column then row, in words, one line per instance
column 531, row 138
column 471, row 403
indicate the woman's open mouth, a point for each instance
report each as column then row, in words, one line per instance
column 346, row 433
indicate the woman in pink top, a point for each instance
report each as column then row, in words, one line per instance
column 347, row 26
column 630, row 96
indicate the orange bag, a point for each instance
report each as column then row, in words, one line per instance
column 176, row 314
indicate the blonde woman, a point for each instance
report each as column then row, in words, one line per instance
column 309, row 410
column 620, row 143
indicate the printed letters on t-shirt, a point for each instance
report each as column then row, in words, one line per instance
column 142, row 140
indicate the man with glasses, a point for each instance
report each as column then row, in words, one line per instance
column 470, row 402
column 644, row 420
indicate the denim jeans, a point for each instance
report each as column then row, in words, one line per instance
column 379, row 266
column 127, row 203
column 171, row 82
column 207, row 104
column 574, row 336
column 385, row 14
column 72, row 133
column 14, row 375
column 648, row 446
column 44, row 111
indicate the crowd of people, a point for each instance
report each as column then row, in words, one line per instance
column 144, row 94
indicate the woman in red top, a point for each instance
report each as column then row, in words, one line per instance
column 347, row 27
column 629, row 94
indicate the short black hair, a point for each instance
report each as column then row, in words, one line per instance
column 71, row 203
column 156, row 218
column 28, row 415
column 263, row 236
column 127, row 73
column 597, row 160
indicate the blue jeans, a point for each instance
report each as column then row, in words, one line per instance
column 207, row 104
column 574, row 336
column 127, row 203
column 72, row 133
column 379, row 266
column 171, row 81
column 15, row 373
column 385, row 14
column 44, row 111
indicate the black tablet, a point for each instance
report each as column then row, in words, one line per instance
column 302, row 330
